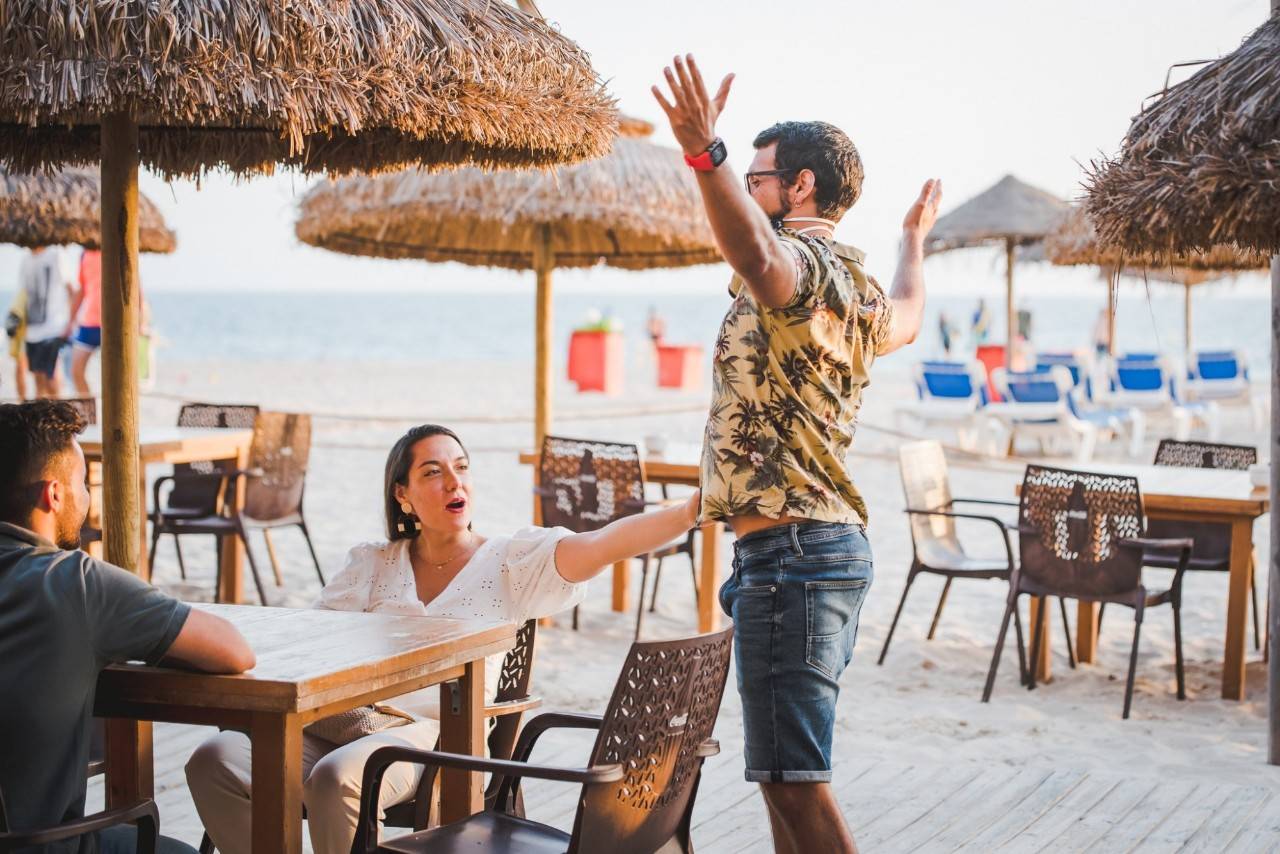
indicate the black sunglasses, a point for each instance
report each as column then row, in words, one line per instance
column 746, row 179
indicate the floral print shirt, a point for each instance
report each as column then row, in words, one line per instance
column 787, row 387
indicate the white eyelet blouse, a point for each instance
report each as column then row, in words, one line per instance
column 508, row 578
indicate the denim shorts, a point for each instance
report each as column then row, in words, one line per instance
column 794, row 596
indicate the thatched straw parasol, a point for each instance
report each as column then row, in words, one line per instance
column 1201, row 167
column 317, row 85
column 1075, row 242
column 65, row 207
column 636, row 208
column 1011, row 212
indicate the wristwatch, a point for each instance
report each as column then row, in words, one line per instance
column 708, row 160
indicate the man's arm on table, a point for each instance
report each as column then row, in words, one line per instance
column 907, row 293
column 742, row 231
column 210, row 643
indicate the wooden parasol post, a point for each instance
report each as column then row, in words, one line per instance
column 543, row 263
column 1113, row 297
column 1186, row 322
column 121, row 528
column 1273, row 575
column 1011, row 314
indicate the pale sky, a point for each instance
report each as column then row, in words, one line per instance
column 965, row 91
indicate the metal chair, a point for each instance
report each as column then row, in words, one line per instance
column 273, row 489
column 935, row 546
column 584, row 484
column 196, row 497
column 638, row 785
column 1081, row 535
column 1212, row 549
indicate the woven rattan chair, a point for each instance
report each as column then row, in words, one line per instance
column 935, row 546
column 504, row 713
column 1081, row 535
column 86, row 406
column 638, row 785
column 584, row 484
column 1212, row 549
column 273, row 488
column 196, row 497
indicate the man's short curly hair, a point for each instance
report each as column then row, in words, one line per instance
column 826, row 151
column 34, row 440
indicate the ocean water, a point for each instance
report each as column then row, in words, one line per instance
column 430, row 326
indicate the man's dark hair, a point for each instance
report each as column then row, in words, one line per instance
column 826, row 151
column 33, row 438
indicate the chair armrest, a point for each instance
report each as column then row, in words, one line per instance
column 1166, row 544
column 998, row 502
column 143, row 814
column 999, row 523
column 531, row 731
column 511, row 707
column 710, row 747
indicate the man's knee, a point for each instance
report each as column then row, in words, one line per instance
column 792, row 796
column 213, row 764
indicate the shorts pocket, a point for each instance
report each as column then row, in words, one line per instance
column 831, row 611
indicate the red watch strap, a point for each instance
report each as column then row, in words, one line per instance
column 701, row 163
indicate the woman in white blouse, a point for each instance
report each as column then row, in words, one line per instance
column 432, row 564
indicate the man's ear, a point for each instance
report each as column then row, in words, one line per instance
column 51, row 496
column 806, row 185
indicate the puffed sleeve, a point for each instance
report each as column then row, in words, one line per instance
column 534, row 584
column 352, row 588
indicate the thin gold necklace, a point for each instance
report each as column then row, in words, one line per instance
column 436, row 567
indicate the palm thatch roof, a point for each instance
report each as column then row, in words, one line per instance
column 63, row 207
column 1009, row 211
column 1075, row 241
column 1200, row 166
column 320, row 85
column 636, row 208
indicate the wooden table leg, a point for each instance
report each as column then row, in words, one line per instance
column 130, row 771
column 1087, row 632
column 1237, row 610
column 231, row 585
column 622, row 585
column 462, row 731
column 277, row 782
column 1043, row 671
column 144, row 559
column 709, row 577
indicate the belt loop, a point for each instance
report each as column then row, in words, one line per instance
column 794, row 530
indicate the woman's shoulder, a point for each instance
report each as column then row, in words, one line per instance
column 374, row 552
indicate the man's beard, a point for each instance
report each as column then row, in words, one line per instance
column 67, row 535
column 784, row 209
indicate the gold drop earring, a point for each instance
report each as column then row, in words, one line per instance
column 410, row 522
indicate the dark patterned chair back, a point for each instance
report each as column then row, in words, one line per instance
column 86, row 406
column 926, row 487
column 513, row 684
column 584, row 484
column 203, row 495
column 1212, row 539
column 663, row 708
column 1071, row 523
column 1205, row 455
column 280, row 451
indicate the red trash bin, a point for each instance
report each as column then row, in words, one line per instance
column 991, row 356
column 679, row 366
column 596, row 361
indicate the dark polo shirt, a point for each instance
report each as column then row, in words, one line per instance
column 63, row 617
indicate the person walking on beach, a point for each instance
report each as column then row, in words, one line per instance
column 50, row 289
column 15, row 327
column 791, row 360
column 87, row 310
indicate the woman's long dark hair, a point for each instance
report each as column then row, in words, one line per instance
column 398, row 463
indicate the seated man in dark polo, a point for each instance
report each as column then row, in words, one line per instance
column 63, row 617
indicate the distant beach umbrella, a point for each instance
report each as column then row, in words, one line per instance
column 1013, row 213
column 1075, row 242
column 244, row 85
column 1200, row 167
column 65, row 207
column 637, row 208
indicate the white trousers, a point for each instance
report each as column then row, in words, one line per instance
column 220, row 771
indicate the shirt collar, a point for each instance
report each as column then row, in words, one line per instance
column 25, row 535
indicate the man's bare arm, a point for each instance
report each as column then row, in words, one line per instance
column 211, row 644
column 742, row 231
column 907, row 293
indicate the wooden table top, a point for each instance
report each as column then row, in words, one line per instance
column 1173, row 488
column 175, row 444
column 308, row 658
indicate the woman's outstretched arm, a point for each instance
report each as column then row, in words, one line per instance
column 583, row 556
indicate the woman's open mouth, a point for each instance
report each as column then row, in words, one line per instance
column 457, row 505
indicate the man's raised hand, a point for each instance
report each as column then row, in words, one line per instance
column 924, row 211
column 691, row 111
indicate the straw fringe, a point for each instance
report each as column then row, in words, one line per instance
column 319, row 85
column 64, row 207
column 1201, row 166
column 1010, row 209
column 637, row 208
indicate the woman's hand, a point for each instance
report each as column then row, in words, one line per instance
column 692, row 506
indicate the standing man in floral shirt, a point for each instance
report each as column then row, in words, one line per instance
column 792, row 358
